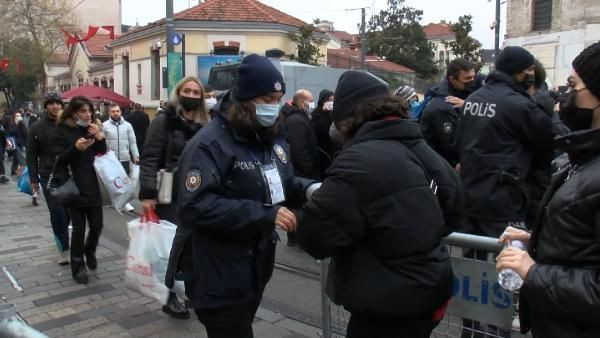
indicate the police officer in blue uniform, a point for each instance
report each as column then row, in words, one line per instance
column 236, row 186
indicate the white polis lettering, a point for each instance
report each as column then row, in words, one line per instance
column 480, row 109
column 245, row 165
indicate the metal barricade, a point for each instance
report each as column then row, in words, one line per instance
column 479, row 306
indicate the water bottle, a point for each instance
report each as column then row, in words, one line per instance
column 509, row 279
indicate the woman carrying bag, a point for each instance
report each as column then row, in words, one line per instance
column 78, row 140
column 167, row 135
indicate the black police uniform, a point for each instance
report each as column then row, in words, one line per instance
column 500, row 131
column 225, row 201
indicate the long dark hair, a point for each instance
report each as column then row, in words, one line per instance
column 242, row 118
column 373, row 110
column 73, row 107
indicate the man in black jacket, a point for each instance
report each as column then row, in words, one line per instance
column 441, row 116
column 501, row 130
column 41, row 155
column 139, row 121
column 321, row 123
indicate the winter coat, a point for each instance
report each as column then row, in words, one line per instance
column 120, row 138
column 167, row 136
column 560, row 297
column 439, row 122
column 140, row 121
column 500, row 131
column 385, row 204
column 223, row 202
column 321, row 122
column 41, row 151
column 80, row 163
column 18, row 131
column 303, row 143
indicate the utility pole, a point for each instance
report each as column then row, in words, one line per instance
column 497, row 41
column 363, row 40
column 170, row 27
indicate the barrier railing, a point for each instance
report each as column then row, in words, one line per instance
column 479, row 306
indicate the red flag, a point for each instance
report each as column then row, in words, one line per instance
column 92, row 30
column 71, row 40
column 111, row 29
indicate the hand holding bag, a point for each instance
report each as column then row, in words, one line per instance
column 66, row 193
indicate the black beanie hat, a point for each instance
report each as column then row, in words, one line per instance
column 52, row 97
column 354, row 88
column 257, row 76
column 587, row 66
column 513, row 60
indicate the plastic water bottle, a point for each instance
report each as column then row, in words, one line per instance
column 509, row 279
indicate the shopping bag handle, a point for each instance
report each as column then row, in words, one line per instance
column 150, row 216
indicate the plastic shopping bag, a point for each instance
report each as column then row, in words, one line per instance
column 24, row 184
column 114, row 179
column 134, row 176
column 150, row 243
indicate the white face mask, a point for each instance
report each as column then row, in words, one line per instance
column 328, row 106
column 209, row 103
column 18, row 118
column 310, row 106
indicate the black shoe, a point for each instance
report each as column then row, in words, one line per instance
column 91, row 261
column 175, row 309
column 81, row 275
column 4, row 179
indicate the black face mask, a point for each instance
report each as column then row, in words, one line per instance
column 574, row 117
column 469, row 86
column 528, row 81
column 190, row 103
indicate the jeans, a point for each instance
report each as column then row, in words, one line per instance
column 59, row 218
column 81, row 245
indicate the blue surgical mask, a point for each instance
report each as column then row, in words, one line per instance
column 267, row 114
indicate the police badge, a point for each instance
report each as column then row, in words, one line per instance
column 193, row 180
column 448, row 127
column 280, row 153
column 277, row 86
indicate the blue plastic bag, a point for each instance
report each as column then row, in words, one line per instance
column 24, row 184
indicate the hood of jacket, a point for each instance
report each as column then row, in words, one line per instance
column 500, row 77
column 581, row 146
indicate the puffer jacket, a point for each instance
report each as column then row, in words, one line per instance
column 120, row 138
column 561, row 293
column 385, row 204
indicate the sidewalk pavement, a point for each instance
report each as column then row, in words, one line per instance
column 54, row 304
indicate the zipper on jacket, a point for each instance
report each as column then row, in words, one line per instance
column 572, row 171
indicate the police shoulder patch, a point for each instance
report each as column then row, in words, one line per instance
column 280, row 152
column 448, row 128
column 193, row 180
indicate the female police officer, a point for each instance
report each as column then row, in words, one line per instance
column 235, row 178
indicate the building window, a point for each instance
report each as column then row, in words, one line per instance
column 542, row 15
column 111, row 84
column 139, row 73
column 126, row 76
column 104, row 82
column 155, row 74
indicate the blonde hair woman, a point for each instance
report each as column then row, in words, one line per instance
column 167, row 135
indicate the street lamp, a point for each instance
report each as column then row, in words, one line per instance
column 496, row 25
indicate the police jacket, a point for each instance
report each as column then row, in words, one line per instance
column 385, row 204
column 120, row 138
column 79, row 163
column 560, row 295
column 501, row 129
column 224, row 201
column 303, row 143
column 41, row 152
column 439, row 122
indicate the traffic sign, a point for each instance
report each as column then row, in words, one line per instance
column 175, row 39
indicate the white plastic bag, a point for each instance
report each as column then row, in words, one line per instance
column 114, row 179
column 134, row 175
column 148, row 257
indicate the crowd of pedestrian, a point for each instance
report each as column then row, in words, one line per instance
column 370, row 177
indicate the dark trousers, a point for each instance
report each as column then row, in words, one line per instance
column 125, row 165
column 79, row 244
column 2, row 151
column 18, row 159
column 59, row 218
column 375, row 327
column 233, row 321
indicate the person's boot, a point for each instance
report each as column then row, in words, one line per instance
column 91, row 261
column 4, row 179
column 174, row 308
column 78, row 270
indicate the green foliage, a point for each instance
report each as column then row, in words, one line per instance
column 309, row 51
column 24, row 73
column 396, row 33
column 464, row 46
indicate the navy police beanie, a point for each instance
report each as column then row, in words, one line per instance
column 587, row 66
column 354, row 88
column 513, row 60
column 257, row 76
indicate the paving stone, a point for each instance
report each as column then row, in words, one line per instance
column 128, row 312
column 100, row 311
column 151, row 328
column 75, row 294
column 139, row 320
column 301, row 328
column 268, row 316
column 54, row 323
column 23, row 239
column 86, row 324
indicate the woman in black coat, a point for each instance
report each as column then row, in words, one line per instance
column 560, row 296
column 78, row 140
column 167, row 136
column 385, row 204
